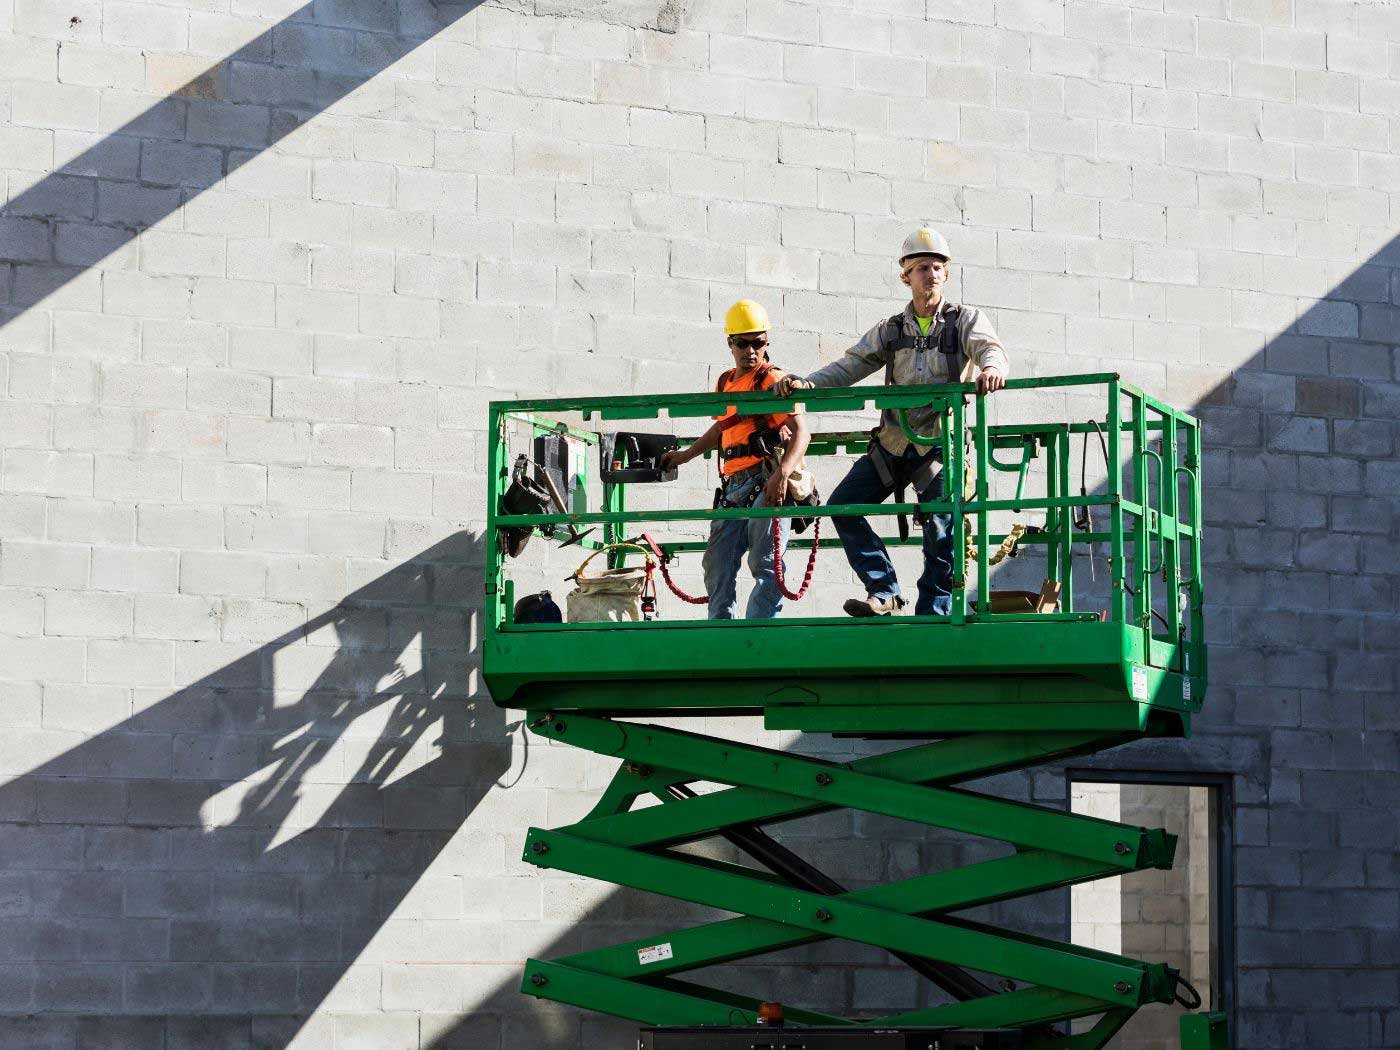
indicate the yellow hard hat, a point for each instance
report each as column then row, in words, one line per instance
column 745, row 316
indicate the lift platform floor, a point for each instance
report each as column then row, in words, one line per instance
column 913, row 674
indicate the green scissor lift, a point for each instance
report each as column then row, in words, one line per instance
column 978, row 692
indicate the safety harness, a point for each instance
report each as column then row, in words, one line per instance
column 895, row 472
column 766, row 443
column 898, row 473
column 948, row 343
column 765, row 440
column 761, row 443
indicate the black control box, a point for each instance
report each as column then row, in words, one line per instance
column 633, row 458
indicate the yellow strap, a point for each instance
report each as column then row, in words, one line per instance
column 1007, row 545
column 578, row 573
column 970, row 546
column 997, row 556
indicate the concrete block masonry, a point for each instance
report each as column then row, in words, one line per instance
column 261, row 270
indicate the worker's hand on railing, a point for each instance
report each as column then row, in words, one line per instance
column 990, row 380
column 787, row 384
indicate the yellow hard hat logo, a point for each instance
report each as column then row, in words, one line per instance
column 926, row 237
column 745, row 316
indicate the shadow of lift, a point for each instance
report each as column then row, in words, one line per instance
column 211, row 844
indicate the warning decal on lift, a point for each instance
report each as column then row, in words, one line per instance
column 1186, row 687
column 1139, row 682
column 656, row 953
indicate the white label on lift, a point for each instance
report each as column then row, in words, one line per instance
column 1139, row 682
column 656, row 953
column 1186, row 687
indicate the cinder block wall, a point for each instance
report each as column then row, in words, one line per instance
column 262, row 266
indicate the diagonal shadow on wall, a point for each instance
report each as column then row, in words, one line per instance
column 219, row 861
column 163, row 157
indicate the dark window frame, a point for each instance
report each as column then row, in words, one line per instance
column 1224, row 916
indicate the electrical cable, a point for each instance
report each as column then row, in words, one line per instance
column 525, row 752
column 1182, row 982
column 1086, row 522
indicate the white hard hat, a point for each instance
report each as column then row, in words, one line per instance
column 924, row 241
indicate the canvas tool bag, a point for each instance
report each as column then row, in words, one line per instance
column 801, row 492
column 621, row 594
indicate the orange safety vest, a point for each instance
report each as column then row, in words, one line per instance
column 739, row 429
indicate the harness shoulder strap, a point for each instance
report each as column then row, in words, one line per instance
column 950, row 345
column 895, row 340
column 724, row 380
column 760, row 376
column 764, row 429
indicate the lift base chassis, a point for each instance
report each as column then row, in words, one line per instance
column 819, row 1038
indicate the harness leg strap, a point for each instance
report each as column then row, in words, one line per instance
column 925, row 473
column 887, row 469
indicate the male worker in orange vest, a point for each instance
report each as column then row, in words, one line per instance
column 931, row 341
column 757, row 455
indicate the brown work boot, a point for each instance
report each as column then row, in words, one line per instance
column 873, row 606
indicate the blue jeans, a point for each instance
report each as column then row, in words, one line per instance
column 867, row 554
column 729, row 539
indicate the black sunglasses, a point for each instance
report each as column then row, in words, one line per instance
column 743, row 344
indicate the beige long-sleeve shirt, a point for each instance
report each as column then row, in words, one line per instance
column 980, row 345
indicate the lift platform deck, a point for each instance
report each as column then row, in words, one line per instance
column 983, row 690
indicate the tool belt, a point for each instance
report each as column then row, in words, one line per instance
column 721, row 502
column 524, row 496
column 802, row 492
column 761, row 443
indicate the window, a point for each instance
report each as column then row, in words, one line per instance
column 1180, row 917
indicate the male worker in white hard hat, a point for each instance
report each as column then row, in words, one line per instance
column 757, row 456
column 931, row 341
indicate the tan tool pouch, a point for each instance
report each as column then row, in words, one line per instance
column 611, row 594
